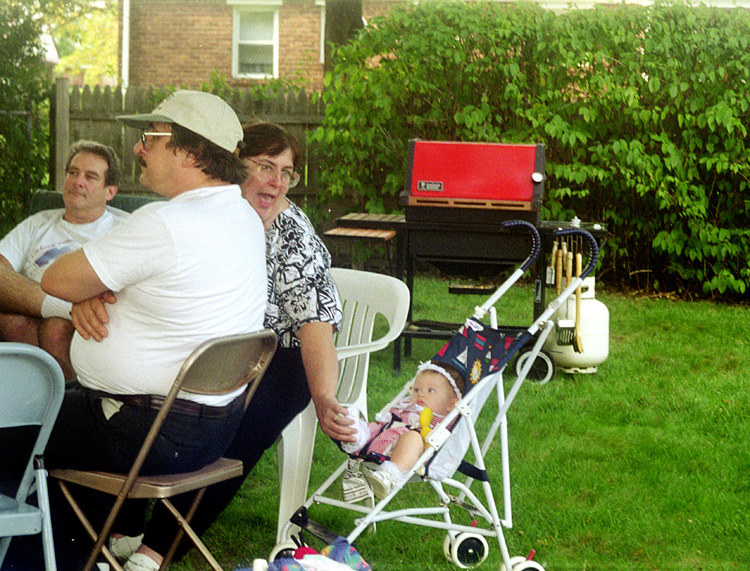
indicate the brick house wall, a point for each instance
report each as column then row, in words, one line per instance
column 181, row 42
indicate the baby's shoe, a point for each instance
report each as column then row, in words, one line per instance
column 123, row 547
column 381, row 481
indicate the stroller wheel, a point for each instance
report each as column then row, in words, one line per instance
column 542, row 370
column 513, row 562
column 528, row 566
column 283, row 550
column 522, row 564
column 469, row 550
column 447, row 547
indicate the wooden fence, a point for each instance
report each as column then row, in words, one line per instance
column 86, row 113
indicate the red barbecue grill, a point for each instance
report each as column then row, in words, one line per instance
column 456, row 197
column 507, row 181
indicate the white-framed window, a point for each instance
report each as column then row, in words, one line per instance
column 255, row 38
column 322, row 5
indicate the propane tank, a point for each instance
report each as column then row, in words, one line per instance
column 594, row 333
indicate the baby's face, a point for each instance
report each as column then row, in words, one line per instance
column 432, row 390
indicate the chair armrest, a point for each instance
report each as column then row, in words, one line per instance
column 374, row 345
column 361, row 349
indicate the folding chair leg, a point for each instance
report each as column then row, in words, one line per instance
column 42, row 494
column 4, row 545
column 181, row 532
column 185, row 526
column 88, row 527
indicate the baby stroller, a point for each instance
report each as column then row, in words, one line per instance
column 481, row 352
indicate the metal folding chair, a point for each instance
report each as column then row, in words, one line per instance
column 31, row 392
column 215, row 367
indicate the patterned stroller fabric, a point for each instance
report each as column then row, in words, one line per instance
column 476, row 350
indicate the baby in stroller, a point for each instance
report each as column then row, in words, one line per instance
column 398, row 435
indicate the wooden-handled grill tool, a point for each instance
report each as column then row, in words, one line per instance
column 565, row 327
column 577, row 341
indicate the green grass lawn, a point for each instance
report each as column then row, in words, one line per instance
column 644, row 465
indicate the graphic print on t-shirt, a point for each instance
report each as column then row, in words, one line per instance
column 50, row 255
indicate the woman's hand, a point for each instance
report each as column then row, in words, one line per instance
column 322, row 370
column 90, row 316
column 333, row 420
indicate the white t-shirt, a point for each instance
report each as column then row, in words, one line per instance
column 184, row 271
column 35, row 243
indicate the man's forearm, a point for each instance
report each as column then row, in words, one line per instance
column 19, row 294
column 71, row 277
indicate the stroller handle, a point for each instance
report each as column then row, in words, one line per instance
column 536, row 242
column 536, row 246
column 593, row 247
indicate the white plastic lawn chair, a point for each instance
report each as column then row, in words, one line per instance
column 364, row 295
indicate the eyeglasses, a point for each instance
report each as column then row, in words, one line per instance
column 267, row 173
column 145, row 134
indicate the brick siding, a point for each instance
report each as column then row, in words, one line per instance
column 181, row 42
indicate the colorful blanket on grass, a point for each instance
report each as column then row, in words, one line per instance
column 339, row 556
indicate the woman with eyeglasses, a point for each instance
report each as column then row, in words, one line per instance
column 303, row 309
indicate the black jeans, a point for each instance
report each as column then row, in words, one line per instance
column 282, row 395
column 85, row 439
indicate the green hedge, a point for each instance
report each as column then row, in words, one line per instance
column 643, row 112
column 24, row 89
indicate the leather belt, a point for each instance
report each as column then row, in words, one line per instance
column 182, row 406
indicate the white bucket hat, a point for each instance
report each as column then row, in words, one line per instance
column 202, row 113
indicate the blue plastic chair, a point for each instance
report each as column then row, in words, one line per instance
column 31, row 392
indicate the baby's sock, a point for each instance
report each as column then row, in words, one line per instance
column 398, row 476
column 362, row 435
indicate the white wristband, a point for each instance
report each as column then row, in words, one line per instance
column 56, row 307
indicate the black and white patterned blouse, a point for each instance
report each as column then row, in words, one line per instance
column 300, row 288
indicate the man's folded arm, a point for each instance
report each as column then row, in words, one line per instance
column 72, row 278
column 18, row 294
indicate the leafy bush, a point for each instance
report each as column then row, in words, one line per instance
column 24, row 89
column 643, row 111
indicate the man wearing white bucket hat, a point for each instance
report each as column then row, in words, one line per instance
column 182, row 271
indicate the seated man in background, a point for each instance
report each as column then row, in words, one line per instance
column 27, row 314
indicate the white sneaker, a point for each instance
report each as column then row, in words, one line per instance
column 123, row 547
column 140, row 562
column 381, row 481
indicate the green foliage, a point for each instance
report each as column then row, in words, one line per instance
column 268, row 90
column 643, row 112
column 86, row 39
column 23, row 119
